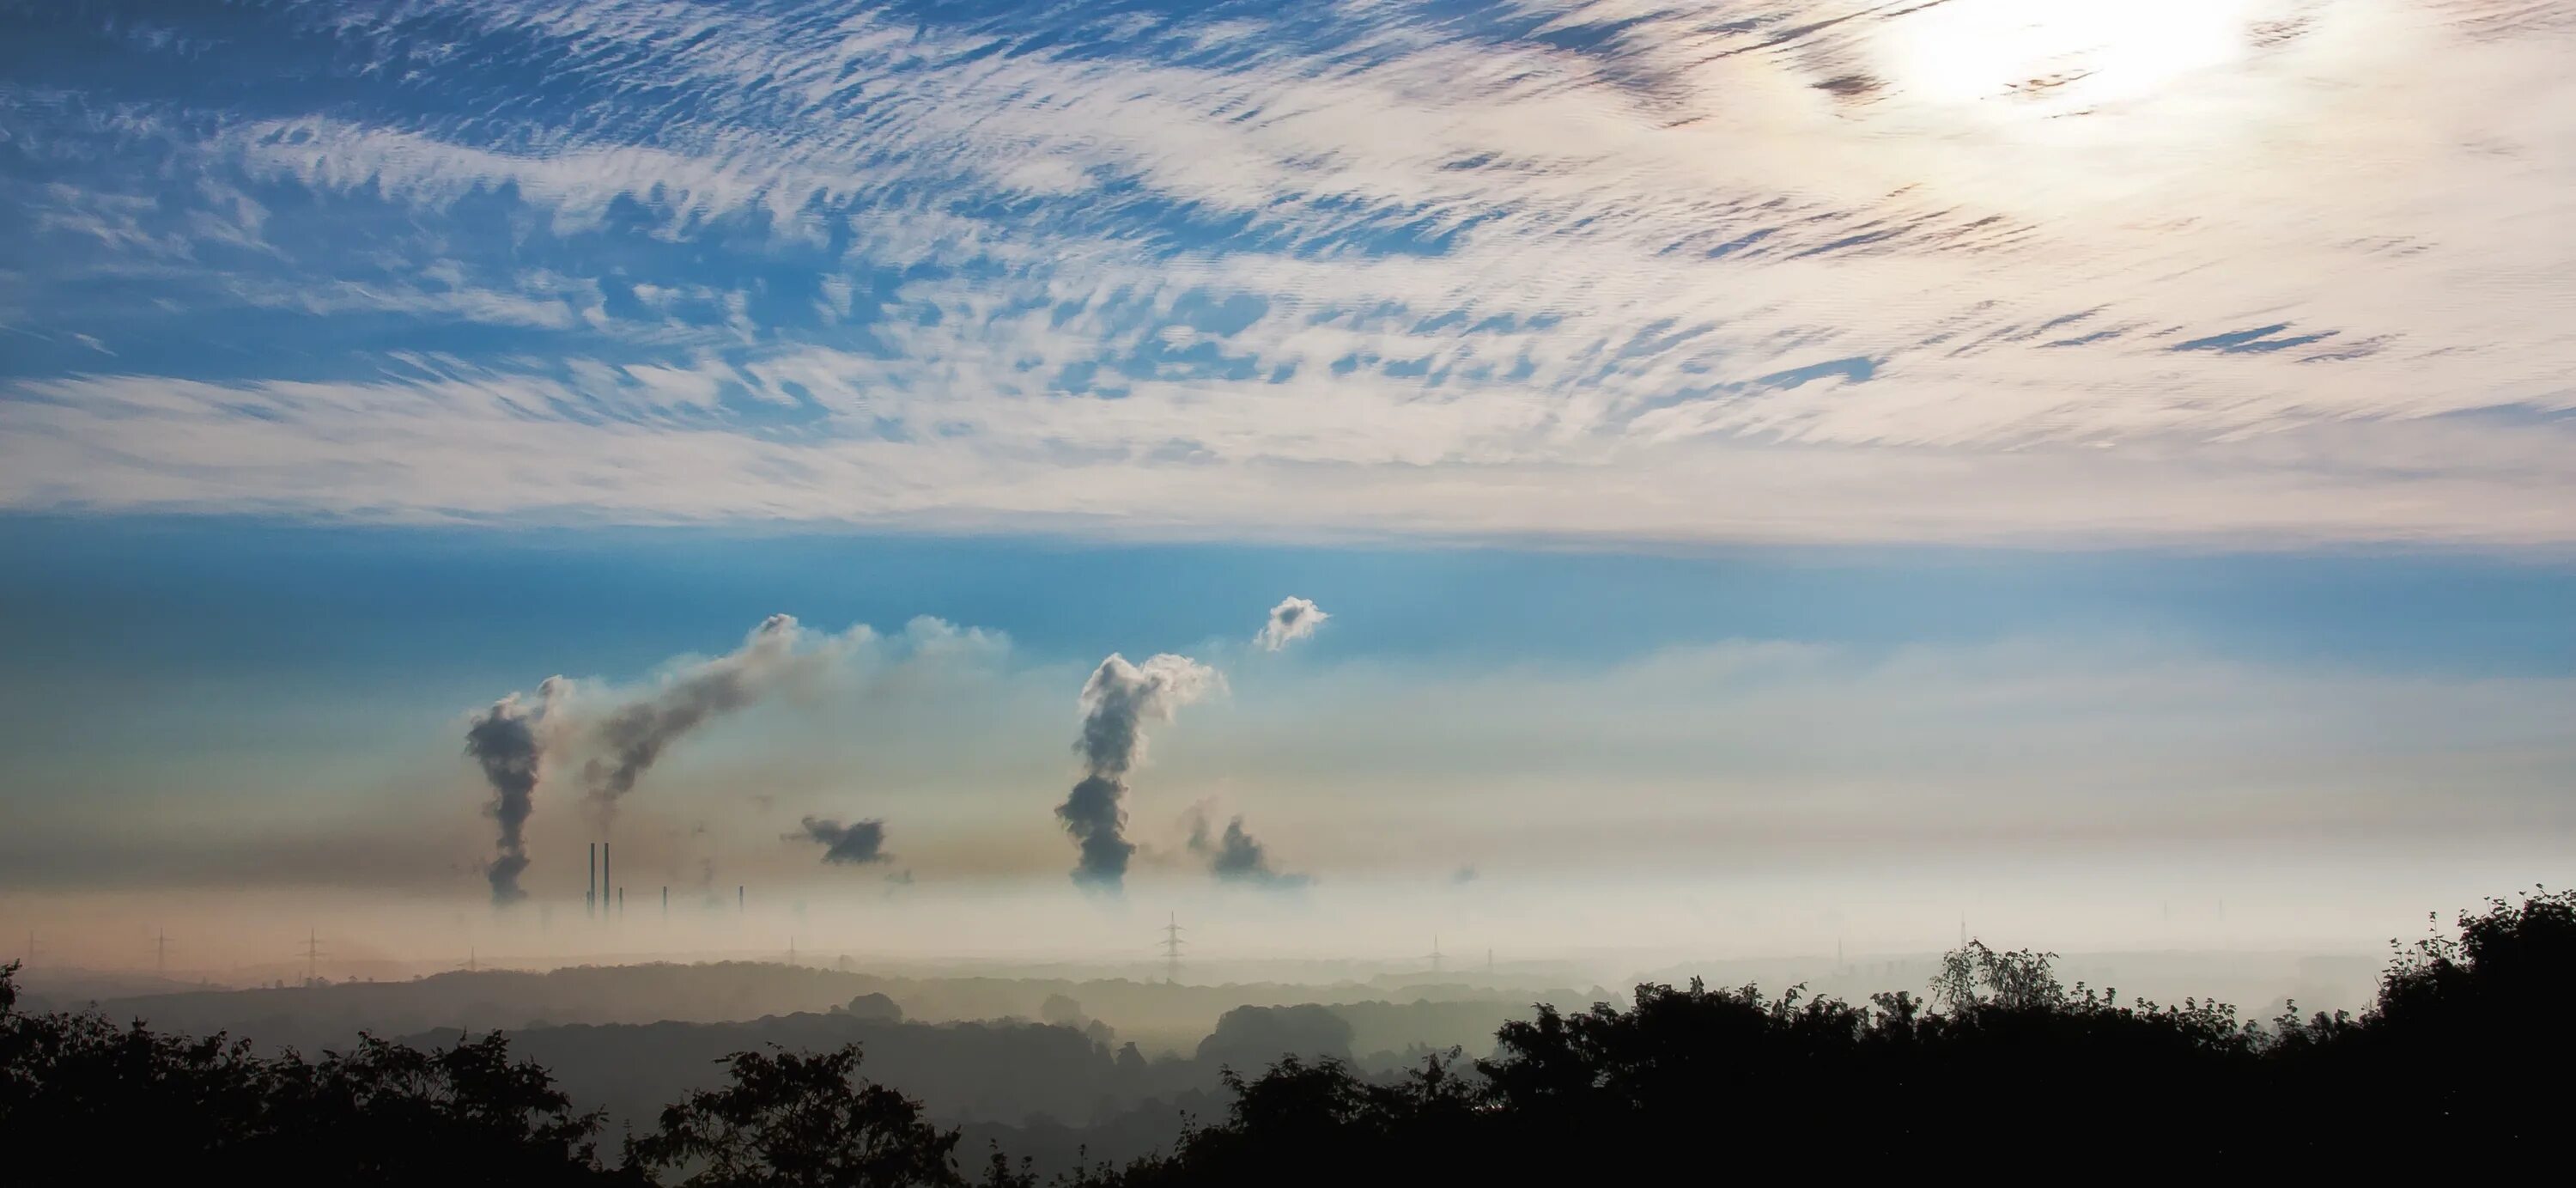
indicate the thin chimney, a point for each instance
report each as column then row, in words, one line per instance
column 590, row 895
column 605, row 882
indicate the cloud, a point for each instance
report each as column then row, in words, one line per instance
column 854, row 844
column 1454, row 273
column 616, row 736
column 2067, row 745
column 635, row 734
column 1237, row 857
column 1292, row 620
column 503, row 740
column 1118, row 701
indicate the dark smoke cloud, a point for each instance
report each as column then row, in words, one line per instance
column 1116, row 703
column 636, row 734
column 854, row 844
column 1238, row 857
column 1292, row 620
column 505, row 741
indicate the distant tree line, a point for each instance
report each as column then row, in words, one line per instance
column 1998, row 1073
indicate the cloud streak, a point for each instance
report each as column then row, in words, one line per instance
column 1796, row 270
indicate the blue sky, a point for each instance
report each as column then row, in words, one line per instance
column 1797, row 426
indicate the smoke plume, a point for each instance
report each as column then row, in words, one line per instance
column 854, row 844
column 505, row 742
column 1292, row 620
column 1116, row 703
column 1238, row 857
column 636, row 734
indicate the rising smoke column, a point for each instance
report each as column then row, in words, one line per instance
column 505, row 741
column 1116, row 703
column 1292, row 620
column 854, row 844
column 635, row 734
column 1239, row 857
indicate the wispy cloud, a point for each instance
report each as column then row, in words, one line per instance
column 2253, row 269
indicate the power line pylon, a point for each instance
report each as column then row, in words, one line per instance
column 1172, row 943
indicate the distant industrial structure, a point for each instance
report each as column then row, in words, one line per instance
column 1172, row 943
column 605, row 897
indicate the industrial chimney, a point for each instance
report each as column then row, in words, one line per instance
column 605, row 882
column 590, row 896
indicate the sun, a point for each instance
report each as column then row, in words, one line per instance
column 2050, row 57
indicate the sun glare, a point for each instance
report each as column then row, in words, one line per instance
column 2059, row 55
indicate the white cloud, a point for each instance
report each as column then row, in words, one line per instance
column 1292, row 620
column 2294, row 277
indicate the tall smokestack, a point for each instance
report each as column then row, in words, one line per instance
column 666, row 903
column 605, row 882
column 621, row 902
column 590, row 895
column 737, row 900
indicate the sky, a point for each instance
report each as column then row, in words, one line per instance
column 1762, row 473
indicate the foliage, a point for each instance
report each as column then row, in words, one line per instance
column 381, row 1113
column 2461, row 1064
column 786, row 1119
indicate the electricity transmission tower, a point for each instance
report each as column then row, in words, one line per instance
column 312, row 955
column 1172, row 943
column 161, row 953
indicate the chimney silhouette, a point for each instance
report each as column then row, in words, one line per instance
column 590, row 895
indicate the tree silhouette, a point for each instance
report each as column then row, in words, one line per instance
column 2459, row 1067
column 383, row 1113
column 785, row 1119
